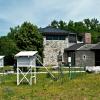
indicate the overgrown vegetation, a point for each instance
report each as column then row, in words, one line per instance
column 83, row 87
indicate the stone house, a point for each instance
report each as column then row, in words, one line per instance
column 55, row 41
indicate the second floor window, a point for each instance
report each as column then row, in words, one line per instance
column 55, row 37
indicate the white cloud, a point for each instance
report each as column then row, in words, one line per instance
column 42, row 12
column 83, row 9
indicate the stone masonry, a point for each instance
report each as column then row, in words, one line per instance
column 51, row 50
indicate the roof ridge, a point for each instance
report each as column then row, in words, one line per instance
column 87, row 46
column 80, row 47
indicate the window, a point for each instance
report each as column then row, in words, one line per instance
column 55, row 37
column 84, row 57
column 72, row 38
column 48, row 37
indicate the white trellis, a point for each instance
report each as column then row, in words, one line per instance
column 26, row 59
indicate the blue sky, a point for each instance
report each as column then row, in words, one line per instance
column 42, row 12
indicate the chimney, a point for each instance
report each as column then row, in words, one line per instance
column 87, row 38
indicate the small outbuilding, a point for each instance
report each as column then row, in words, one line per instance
column 1, row 61
column 81, row 54
column 26, row 59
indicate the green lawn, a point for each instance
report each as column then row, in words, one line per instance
column 82, row 87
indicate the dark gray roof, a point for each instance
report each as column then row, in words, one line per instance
column 97, row 47
column 87, row 47
column 74, row 47
column 53, row 31
column 82, row 46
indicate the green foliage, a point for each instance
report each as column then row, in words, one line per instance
column 54, row 24
column 85, row 86
column 24, row 37
column 9, row 49
column 87, row 25
column 27, row 37
column 58, row 24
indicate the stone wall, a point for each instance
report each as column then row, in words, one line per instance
column 51, row 50
column 83, row 58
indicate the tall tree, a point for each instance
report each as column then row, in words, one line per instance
column 62, row 25
column 87, row 23
column 27, row 37
column 94, row 24
column 54, row 24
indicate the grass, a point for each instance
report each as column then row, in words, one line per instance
column 82, row 87
column 6, row 68
column 41, row 69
